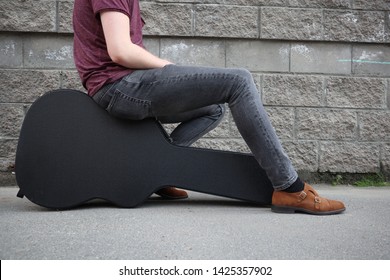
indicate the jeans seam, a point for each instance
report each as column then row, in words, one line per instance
column 147, row 104
column 105, row 91
column 112, row 101
column 190, row 77
column 134, row 99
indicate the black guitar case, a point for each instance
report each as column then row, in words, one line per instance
column 71, row 151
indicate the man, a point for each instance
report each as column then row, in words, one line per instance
column 129, row 82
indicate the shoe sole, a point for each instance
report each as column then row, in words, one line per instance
column 172, row 197
column 292, row 210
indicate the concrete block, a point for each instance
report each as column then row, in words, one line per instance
column 327, row 58
column 274, row 3
column 356, row 92
column 283, row 121
column 11, row 118
column 291, row 24
column 303, row 154
column 371, row 5
column 349, row 157
column 257, row 80
column 11, row 51
column 293, row 90
column 233, row 145
column 6, row 165
column 167, row 19
column 226, row 129
column 371, row 60
column 28, row 15
column 385, row 158
column 65, row 14
column 226, row 21
column 49, row 52
column 152, row 45
column 318, row 3
column 255, row 56
column 222, row 130
column 388, row 27
column 233, row 128
column 194, row 52
column 26, row 85
column 388, row 94
column 356, row 26
column 325, row 124
column 70, row 79
column 8, row 148
column 374, row 125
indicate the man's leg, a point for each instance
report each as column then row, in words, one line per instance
column 173, row 89
column 193, row 125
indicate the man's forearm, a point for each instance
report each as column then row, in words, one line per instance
column 135, row 57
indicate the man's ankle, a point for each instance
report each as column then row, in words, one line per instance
column 297, row 186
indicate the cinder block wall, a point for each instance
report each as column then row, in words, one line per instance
column 322, row 68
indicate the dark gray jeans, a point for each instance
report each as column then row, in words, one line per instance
column 195, row 97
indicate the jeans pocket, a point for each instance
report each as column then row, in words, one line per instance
column 128, row 107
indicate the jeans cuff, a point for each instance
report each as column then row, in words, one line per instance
column 287, row 184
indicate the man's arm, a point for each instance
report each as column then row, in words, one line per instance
column 116, row 28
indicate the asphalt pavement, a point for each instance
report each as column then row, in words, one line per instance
column 202, row 227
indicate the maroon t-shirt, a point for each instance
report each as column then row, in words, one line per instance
column 91, row 57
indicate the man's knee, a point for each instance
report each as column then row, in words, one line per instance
column 243, row 73
column 218, row 111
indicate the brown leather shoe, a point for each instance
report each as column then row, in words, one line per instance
column 172, row 193
column 306, row 201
